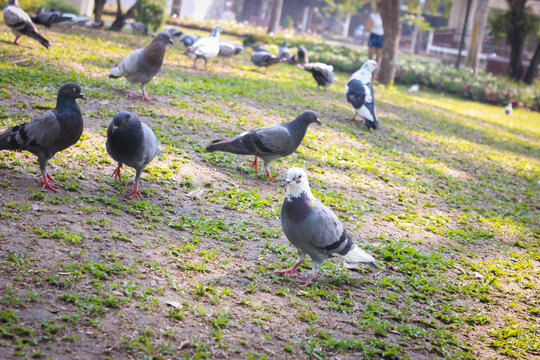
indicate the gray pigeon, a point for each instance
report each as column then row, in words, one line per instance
column 228, row 49
column 322, row 73
column 189, row 39
column 49, row 133
column 205, row 48
column 131, row 142
column 142, row 65
column 302, row 55
column 360, row 94
column 285, row 52
column 314, row 229
column 20, row 23
column 262, row 58
column 49, row 18
column 270, row 142
column 174, row 32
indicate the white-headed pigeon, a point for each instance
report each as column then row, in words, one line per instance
column 131, row 142
column 49, row 133
column 314, row 229
column 270, row 142
column 142, row 65
column 360, row 95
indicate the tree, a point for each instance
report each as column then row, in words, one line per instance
column 533, row 66
column 477, row 38
column 177, row 7
column 275, row 16
column 98, row 10
column 515, row 24
column 392, row 32
column 348, row 8
column 120, row 21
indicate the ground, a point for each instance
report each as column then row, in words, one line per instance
column 445, row 196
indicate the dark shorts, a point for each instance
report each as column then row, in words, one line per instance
column 375, row 41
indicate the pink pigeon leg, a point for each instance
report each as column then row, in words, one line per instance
column 50, row 177
column 135, row 191
column 292, row 270
column 116, row 174
column 144, row 96
column 16, row 41
column 270, row 176
column 254, row 165
column 46, row 183
column 308, row 281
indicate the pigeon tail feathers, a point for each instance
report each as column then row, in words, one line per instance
column 356, row 255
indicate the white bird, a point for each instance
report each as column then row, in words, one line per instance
column 508, row 109
column 414, row 88
column 360, row 94
column 205, row 48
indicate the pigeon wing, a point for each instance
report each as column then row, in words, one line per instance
column 356, row 93
column 272, row 139
column 128, row 66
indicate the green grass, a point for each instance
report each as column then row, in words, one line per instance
column 445, row 196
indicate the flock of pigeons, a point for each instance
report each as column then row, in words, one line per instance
column 309, row 225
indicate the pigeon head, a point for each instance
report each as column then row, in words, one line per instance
column 122, row 119
column 308, row 117
column 13, row 2
column 165, row 37
column 70, row 91
column 284, row 43
column 297, row 182
column 216, row 31
column 370, row 65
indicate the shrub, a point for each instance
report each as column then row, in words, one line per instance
column 151, row 13
column 34, row 6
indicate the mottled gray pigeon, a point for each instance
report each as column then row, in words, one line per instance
column 49, row 18
column 285, row 52
column 142, row 65
column 228, row 49
column 20, row 23
column 360, row 94
column 262, row 58
column 189, row 39
column 49, row 133
column 314, row 229
column 131, row 142
column 205, row 48
column 322, row 73
column 302, row 55
column 270, row 142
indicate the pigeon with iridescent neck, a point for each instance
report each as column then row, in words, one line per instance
column 314, row 229
column 270, row 142
column 131, row 142
column 49, row 133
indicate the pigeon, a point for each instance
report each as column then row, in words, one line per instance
column 140, row 28
column 131, row 142
column 322, row 73
column 49, row 133
column 263, row 58
column 142, row 65
column 285, row 52
column 302, row 55
column 359, row 93
column 270, row 142
column 314, row 229
column 205, row 48
column 508, row 109
column 20, row 23
column 49, row 18
column 174, row 32
column 256, row 47
column 189, row 39
column 414, row 88
column 228, row 49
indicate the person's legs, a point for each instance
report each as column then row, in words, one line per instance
column 371, row 52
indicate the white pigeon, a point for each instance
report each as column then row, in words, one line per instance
column 508, row 109
column 360, row 94
column 414, row 88
column 205, row 48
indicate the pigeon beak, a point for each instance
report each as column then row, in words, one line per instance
column 318, row 121
column 81, row 96
column 171, row 42
column 286, row 182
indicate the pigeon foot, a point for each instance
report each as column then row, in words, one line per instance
column 47, row 184
column 116, row 174
column 254, row 165
column 129, row 94
column 270, row 176
column 135, row 192
column 308, row 281
column 145, row 97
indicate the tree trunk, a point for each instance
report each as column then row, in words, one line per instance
column 275, row 17
column 346, row 25
column 98, row 10
column 120, row 20
column 177, row 8
column 533, row 66
column 516, row 37
column 477, row 37
column 392, row 32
